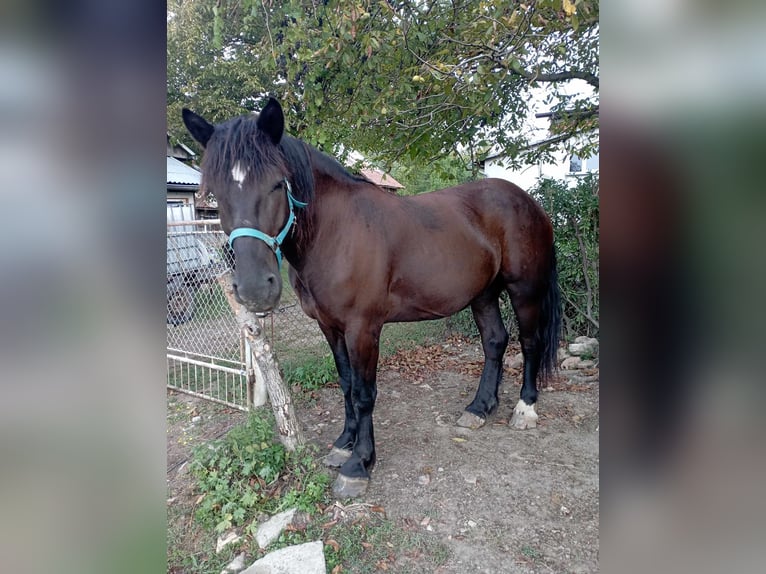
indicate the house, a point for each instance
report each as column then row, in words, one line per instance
column 563, row 167
column 357, row 163
column 382, row 179
column 179, row 150
column 182, row 183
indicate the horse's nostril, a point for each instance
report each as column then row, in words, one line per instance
column 271, row 279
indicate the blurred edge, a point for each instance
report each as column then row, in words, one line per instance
column 683, row 277
column 82, row 103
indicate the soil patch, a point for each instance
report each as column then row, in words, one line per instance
column 501, row 500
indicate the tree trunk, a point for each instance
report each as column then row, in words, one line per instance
column 288, row 426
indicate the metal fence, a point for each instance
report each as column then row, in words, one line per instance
column 206, row 353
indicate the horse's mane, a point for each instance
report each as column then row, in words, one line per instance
column 240, row 140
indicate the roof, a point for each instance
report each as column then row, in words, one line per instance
column 181, row 174
column 381, row 179
column 187, row 149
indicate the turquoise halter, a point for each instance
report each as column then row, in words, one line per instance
column 274, row 242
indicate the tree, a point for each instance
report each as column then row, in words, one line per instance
column 410, row 79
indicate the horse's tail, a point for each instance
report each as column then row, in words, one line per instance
column 549, row 325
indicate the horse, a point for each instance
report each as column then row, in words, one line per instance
column 360, row 257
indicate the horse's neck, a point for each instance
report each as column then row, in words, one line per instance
column 329, row 179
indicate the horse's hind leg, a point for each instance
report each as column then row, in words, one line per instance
column 341, row 449
column 494, row 340
column 526, row 304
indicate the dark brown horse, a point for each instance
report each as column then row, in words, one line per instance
column 361, row 257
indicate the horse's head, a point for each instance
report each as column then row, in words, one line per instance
column 245, row 169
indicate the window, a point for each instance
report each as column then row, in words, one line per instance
column 579, row 165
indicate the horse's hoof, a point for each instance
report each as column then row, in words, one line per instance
column 349, row 487
column 470, row 421
column 337, row 457
column 524, row 416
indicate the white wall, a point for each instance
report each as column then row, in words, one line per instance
column 527, row 176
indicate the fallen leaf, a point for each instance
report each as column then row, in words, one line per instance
column 334, row 544
column 329, row 524
column 366, row 545
column 377, row 508
column 458, row 439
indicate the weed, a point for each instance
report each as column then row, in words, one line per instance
column 530, row 553
column 369, row 543
column 310, row 373
column 244, row 474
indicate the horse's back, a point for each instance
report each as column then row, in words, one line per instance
column 510, row 219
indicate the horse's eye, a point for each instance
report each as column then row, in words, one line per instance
column 277, row 187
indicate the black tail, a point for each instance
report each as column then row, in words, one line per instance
column 550, row 322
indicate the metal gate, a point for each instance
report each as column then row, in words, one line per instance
column 206, row 354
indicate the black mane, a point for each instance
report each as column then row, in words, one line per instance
column 240, row 140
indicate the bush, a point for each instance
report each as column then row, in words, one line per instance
column 574, row 212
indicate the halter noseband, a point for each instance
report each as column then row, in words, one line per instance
column 273, row 242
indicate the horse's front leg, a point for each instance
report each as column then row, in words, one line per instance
column 362, row 344
column 341, row 449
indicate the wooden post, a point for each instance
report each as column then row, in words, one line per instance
column 288, row 426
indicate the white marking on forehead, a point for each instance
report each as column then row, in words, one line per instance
column 238, row 174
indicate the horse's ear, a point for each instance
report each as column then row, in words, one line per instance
column 198, row 127
column 272, row 121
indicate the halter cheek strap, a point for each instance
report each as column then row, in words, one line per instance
column 274, row 242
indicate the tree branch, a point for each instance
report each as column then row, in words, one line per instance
column 592, row 79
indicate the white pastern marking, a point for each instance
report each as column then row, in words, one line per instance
column 525, row 410
column 238, row 174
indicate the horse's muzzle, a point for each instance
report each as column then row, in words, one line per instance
column 258, row 294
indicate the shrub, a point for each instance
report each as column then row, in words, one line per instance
column 574, row 212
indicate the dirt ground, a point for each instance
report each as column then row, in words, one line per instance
column 501, row 500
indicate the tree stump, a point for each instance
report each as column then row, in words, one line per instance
column 288, row 426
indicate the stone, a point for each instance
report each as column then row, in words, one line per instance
column 305, row 558
column 235, row 565
column 584, row 346
column 586, row 364
column 515, row 362
column 225, row 539
column 270, row 530
column 571, row 363
column 561, row 354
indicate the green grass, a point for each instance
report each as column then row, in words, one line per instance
column 208, row 381
column 311, row 373
column 369, row 543
column 210, row 303
column 247, row 475
column 398, row 336
column 248, row 472
column 531, row 553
